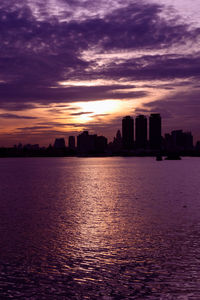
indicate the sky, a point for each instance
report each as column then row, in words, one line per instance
column 73, row 65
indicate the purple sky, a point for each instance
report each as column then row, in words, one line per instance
column 70, row 65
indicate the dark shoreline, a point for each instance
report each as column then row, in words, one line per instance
column 66, row 152
column 164, row 156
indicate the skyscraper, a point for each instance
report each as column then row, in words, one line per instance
column 91, row 144
column 141, row 132
column 155, row 138
column 127, row 132
column 71, row 142
column 85, row 143
column 59, row 143
column 116, row 145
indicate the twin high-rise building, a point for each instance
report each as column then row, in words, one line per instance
column 127, row 133
column 141, row 132
column 155, row 138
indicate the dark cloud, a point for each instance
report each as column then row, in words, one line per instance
column 58, row 124
column 101, row 115
column 179, row 111
column 141, row 111
column 35, row 128
column 156, row 67
column 189, row 99
column 172, row 84
column 16, row 106
column 40, row 49
column 81, row 113
column 13, row 116
column 63, row 94
column 52, row 124
column 35, row 54
column 140, row 26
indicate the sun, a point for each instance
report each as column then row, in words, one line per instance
column 100, row 107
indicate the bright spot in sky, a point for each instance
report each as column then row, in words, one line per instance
column 93, row 82
column 187, row 9
column 98, row 109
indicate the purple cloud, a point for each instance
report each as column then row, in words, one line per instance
column 13, row 116
column 81, row 113
column 45, row 95
column 156, row 67
column 179, row 111
column 40, row 49
column 35, row 54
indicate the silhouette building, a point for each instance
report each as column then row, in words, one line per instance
column 155, row 138
column 116, row 145
column 85, row 143
column 127, row 133
column 91, row 144
column 71, row 142
column 189, row 141
column 178, row 141
column 197, row 147
column 100, row 144
column 141, row 132
column 118, row 137
column 182, row 140
column 59, row 143
column 168, row 142
column 118, row 141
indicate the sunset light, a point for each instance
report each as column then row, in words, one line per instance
column 99, row 149
column 101, row 108
column 68, row 66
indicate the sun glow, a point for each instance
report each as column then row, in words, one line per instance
column 96, row 82
column 98, row 108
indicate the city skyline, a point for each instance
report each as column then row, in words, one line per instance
column 72, row 66
column 140, row 133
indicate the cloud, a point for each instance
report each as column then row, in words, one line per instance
column 189, row 99
column 179, row 110
column 81, row 113
column 16, row 106
column 140, row 26
column 38, row 53
column 45, row 43
column 35, row 128
column 156, row 67
column 101, row 115
column 43, row 95
column 13, row 116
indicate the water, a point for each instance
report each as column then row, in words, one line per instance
column 99, row 228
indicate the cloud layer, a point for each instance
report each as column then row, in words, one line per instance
column 137, row 45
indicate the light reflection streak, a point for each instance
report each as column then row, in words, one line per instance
column 101, row 224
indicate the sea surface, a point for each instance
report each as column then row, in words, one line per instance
column 99, row 228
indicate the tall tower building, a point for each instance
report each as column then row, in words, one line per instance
column 155, row 138
column 85, row 143
column 71, row 142
column 141, row 131
column 59, row 143
column 127, row 132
